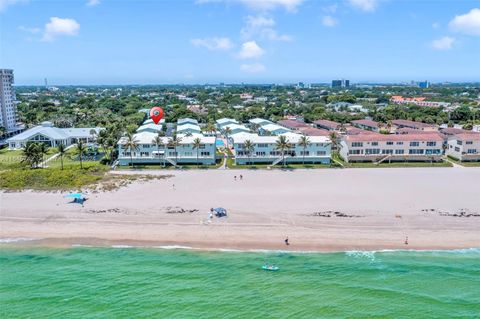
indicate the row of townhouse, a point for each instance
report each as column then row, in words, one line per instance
column 265, row 151
column 166, row 153
column 391, row 147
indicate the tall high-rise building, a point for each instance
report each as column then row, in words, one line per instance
column 8, row 108
column 340, row 83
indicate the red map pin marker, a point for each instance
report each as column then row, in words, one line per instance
column 156, row 114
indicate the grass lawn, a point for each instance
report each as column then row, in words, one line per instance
column 218, row 164
column 466, row 164
column 12, row 158
column 392, row 164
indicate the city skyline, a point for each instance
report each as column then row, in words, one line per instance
column 101, row 42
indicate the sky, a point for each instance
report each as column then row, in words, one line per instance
column 233, row 41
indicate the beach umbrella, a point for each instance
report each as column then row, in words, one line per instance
column 75, row 195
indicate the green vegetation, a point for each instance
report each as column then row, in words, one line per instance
column 466, row 164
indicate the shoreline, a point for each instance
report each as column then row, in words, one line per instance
column 68, row 243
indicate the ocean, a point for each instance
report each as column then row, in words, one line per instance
column 123, row 282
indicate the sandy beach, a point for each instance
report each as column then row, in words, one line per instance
column 319, row 210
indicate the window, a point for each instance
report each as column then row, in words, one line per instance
column 387, row 151
column 433, row 152
column 355, row 152
column 457, row 149
column 146, row 145
column 399, row 152
column 469, row 142
column 321, row 153
column 262, row 145
column 144, row 154
column 205, row 153
column 260, row 153
column 275, row 153
column 431, row 143
column 471, row 151
column 306, row 153
column 374, row 143
column 389, row 143
column 370, row 151
column 357, row 144
column 172, row 153
column 188, row 153
column 202, row 146
column 414, row 143
column 415, row 152
column 459, row 142
column 399, row 143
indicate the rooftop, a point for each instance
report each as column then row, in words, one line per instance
column 412, row 124
column 327, row 123
column 366, row 122
column 292, row 124
column 394, row 137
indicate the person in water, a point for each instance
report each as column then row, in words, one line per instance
column 406, row 240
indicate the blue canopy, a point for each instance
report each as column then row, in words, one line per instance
column 75, row 195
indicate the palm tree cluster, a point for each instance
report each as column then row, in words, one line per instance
column 283, row 145
column 33, row 153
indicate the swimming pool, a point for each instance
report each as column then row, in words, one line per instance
column 219, row 143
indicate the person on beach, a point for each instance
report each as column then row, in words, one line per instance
column 241, row 177
column 286, row 241
column 235, row 177
column 406, row 240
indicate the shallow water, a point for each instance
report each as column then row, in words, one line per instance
column 87, row 282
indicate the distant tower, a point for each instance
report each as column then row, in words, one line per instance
column 8, row 107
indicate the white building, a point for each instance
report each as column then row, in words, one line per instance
column 221, row 123
column 150, row 127
column 272, row 129
column 52, row 136
column 464, row 147
column 393, row 147
column 8, row 108
column 148, row 153
column 188, row 128
column 259, row 121
column 265, row 150
column 187, row 120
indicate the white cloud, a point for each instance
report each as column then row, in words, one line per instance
column 60, row 27
column 214, row 43
column 29, row 30
column 6, row 3
column 92, row 3
column 250, row 50
column 468, row 23
column 261, row 5
column 331, row 8
column 364, row 5
column 329, row 21
column 444, row 43
column 253, row 68
column 262, row 26
column 435, row 25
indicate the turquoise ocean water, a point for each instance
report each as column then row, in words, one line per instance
column 83, row 282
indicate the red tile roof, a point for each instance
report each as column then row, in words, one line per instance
column 356, row 131
column 312, row 131
column 411, row 124
column 366, row 123
column 327, row 123
column 474, row 136
column 394, row 137
column 408, row 130
column 292, row 124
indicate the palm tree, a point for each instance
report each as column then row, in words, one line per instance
column 248, row 146
column 333, row 136
column 61, row 152
column 227, row 131
column 81, row 149
column 131, row 144
column 282, row 144
column 157, row 140
column 31, row 154
column 304, row 142
column 43, row 149
column 174, row 142
column 196, row 146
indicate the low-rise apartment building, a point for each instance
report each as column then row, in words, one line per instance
column 464, row 147
column 368, row 125
column 265, row 149
column 392, row 147
column 185, row 153
column 414, row 125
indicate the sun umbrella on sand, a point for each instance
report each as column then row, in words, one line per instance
column 77, row 197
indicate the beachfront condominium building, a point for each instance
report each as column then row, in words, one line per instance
column 464, row 147
column 147, row 151
column 392, row 147
column 264, row 149
column 8, row 109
